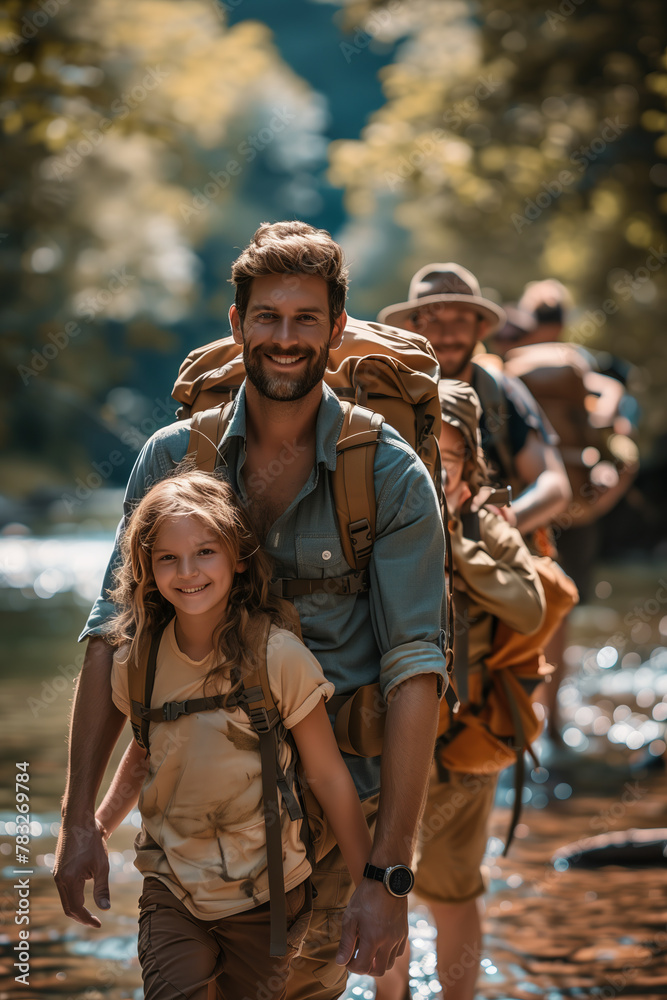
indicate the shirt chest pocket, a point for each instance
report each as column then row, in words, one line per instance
column 320, row 556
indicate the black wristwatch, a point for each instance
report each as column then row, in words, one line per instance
column 397, row 879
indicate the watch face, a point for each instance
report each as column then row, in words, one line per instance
column 400, row 880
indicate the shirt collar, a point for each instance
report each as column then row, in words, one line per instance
column 327, row 429
column 329, row 424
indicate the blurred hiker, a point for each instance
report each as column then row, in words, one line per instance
column 495, row 580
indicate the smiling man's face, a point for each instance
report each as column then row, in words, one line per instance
column 453, row 330
column 286, row 334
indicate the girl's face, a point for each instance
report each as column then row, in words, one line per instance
column 452, row 455
column 192, row 568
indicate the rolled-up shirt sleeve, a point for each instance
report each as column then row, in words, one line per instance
column 407, row 580
column 158, row 457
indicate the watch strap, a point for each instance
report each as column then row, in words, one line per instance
column 370, row 871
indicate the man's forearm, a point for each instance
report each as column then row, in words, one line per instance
column 409, row 739
column 125, row 788
column 94, row 730
column 548, row 496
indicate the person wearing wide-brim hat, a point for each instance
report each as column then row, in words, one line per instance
column 445, row 305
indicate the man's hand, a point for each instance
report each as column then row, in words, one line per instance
column 376, row 924
column 94, row 729
column 81, row 854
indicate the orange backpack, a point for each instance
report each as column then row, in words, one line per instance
column 496, row 723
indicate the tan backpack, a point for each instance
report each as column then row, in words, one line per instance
column 391, row 372
column 555, row 374
column 256, row 700
column 378, row 373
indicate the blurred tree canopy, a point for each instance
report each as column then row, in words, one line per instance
column 141, row 144
column 126, row 132
column 523, row 140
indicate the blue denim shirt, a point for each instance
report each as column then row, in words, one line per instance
column 388, row 634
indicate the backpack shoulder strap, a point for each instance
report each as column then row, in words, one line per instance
column 140, row 682
column 256, row 699
column 470, row 526
column 353, row 489
column 496, row 415
column 258, row 702
column 206, row 430
column 353, row 482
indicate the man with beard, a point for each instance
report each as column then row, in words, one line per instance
column 291, row 283
column 446, row 306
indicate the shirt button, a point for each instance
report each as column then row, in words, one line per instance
column 326, row 555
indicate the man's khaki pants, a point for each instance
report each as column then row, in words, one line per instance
column 314, row 973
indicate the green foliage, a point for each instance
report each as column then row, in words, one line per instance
column 112, row 116
column 526, row 141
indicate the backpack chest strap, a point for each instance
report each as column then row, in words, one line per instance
column 351, row 583
column 173, row 709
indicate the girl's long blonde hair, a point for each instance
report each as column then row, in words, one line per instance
column 142, row 610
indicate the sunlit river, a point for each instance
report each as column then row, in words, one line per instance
column 552, row 930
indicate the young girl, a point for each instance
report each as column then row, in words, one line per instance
column 191, row 560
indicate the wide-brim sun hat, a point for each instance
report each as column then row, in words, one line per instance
column 435, row 283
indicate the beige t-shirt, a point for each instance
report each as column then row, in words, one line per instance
column 201, row 804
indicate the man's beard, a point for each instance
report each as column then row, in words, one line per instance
column 453, row 368
column 285, row 388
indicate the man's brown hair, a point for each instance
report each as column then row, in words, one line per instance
column 291, row 248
